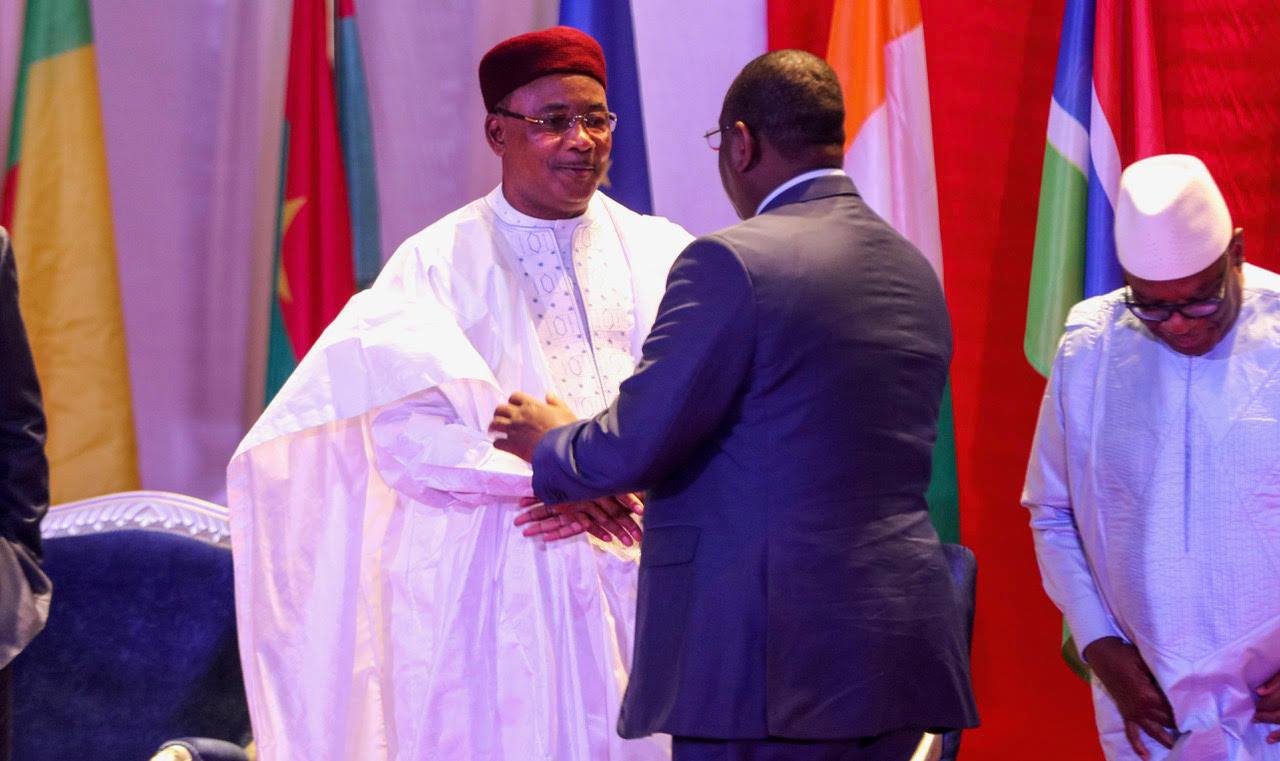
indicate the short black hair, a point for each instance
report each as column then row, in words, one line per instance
column 790, row 97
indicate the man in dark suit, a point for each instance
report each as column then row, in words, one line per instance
column 24, row 488
column 794, row 601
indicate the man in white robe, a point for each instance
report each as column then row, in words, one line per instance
column 387, row 606
column 1154, row 480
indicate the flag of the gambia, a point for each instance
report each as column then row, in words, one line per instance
column 877, row 49
column 1105, row 114
column 57, row 205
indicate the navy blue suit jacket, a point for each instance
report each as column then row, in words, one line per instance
column 782, row 421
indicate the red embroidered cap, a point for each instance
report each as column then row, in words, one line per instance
column 516, row 62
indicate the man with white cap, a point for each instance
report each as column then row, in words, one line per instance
column 388, row 609
column 1154, row 480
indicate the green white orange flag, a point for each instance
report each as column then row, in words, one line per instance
column 57, row 204
column 877, row 49
column 314, row 268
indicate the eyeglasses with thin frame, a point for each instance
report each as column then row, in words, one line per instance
column 713, row 137
column 1195, row 309
column 596, row 123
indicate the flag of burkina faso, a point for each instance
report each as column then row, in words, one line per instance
column 314, row 269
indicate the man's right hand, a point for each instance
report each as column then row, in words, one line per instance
column 1141, row 702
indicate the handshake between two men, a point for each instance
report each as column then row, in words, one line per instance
column 519, row 425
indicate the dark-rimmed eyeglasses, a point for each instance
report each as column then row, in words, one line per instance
column 1195, row 309
column 596, row 123
column 713, row 136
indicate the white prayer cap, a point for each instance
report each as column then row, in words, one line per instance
column 1171, row 220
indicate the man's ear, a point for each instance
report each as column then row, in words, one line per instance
column 494, row 134
column 744, row 149
column 1237, row 247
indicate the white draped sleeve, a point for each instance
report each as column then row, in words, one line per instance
column 423, row 448
column 1064, row 567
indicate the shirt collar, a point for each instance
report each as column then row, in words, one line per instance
column 791, row 183
column 511, row 216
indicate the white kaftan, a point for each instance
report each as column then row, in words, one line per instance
column 1154, row 491
column 387, row 607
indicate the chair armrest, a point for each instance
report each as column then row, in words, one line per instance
column 929, row 749
column 199, row 749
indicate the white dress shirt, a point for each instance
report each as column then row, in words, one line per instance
column 791, row 183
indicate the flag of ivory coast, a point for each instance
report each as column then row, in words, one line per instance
column 57, row 205
column 877, row 50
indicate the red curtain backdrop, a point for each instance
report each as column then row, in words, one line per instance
column 991, row 68
column 801, row 24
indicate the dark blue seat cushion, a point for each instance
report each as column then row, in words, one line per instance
column 964, row 572
column 140, row 648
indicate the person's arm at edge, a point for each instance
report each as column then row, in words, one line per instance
column 24, row 471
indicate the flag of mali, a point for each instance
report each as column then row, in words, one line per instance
column 57, row 205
